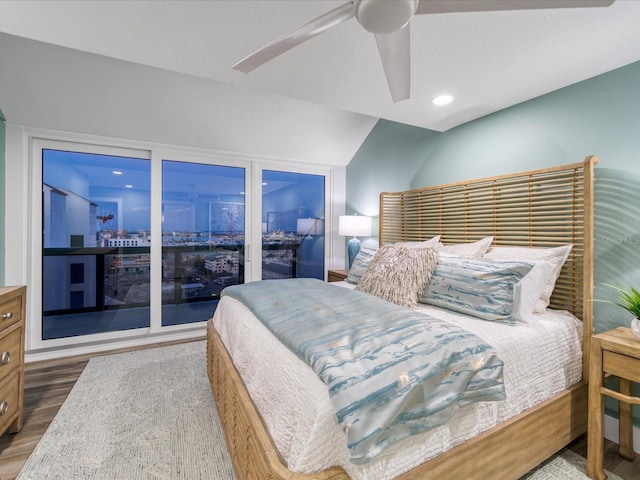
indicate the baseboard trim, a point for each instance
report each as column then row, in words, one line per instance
column 105, row 346
column 611, row 432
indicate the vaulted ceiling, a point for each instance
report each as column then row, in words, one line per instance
column 486, row 60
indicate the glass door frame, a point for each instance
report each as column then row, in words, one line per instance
column 157, row 156
column 256, row 226
column 27, row 144
column 34, row 325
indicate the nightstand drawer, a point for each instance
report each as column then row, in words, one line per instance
column 10, row 312
column 620, row 366
column 9, row 400
column 10, row 349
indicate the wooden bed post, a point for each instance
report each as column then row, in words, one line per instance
column 588, row 262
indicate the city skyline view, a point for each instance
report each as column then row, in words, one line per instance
column 97, row 237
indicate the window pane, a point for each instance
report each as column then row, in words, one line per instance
column 292, row 225
column 96, row 220
column 203, row 213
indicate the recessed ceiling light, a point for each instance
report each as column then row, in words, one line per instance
column 117, row 172
column 442, row 100
column 128, row 186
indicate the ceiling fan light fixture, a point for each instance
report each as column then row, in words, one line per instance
column 389, row 21
column 441, row 100
column 384, row 16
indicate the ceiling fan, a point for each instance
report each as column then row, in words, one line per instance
column 389, row 21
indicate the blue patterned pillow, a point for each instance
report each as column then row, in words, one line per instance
column 476, row 286
column 360, row 265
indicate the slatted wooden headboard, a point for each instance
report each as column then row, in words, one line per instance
column 539, row 208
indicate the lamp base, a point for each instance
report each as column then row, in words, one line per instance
column 353, row 247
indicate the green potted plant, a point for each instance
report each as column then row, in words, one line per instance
column 629, row 299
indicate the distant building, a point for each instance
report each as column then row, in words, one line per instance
column 188, row 290
column 128, row 242
column 223, row 263
column 131, row 263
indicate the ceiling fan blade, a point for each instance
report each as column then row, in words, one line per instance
column 449, row 6
column 295, row 38
column 395, row 51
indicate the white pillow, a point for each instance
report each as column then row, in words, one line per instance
column 431, row 243
column 474, row 249
column 556, row 256
column 530, row 288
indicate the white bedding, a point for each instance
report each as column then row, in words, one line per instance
column 542, row 357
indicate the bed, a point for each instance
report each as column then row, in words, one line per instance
column 541, row 208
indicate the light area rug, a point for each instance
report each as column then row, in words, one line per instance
column 566, row 465
column 147, row 414
column 150, row 415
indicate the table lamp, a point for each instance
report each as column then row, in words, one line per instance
column 353, row 226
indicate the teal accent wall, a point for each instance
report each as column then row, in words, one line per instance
column 386, row 162
column 2, row 195
column 599, row 116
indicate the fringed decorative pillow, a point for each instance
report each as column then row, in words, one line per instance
column 399, row 274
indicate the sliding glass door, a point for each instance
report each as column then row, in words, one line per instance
column 203, row 237
column 293, row 206
column 95, row 243
column 142, row 242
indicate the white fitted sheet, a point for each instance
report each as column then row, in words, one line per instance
column 542, row 357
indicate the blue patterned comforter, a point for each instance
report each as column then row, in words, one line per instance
column 391, row 372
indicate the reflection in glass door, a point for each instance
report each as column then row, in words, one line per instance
column 97, row 272
column 203, row 235
column 292, row 225
column 95, row 251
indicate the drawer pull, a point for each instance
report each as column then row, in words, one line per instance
column 5, row 358
column 4, row 407
column 7, row 316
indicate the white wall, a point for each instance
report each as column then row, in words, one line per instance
column 47, row 86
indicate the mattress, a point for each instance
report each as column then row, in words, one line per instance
column 542, row 357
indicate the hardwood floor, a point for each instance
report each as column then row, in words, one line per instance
column 48, row 383
column 612, row 461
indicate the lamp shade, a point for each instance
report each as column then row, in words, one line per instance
column 354, row 226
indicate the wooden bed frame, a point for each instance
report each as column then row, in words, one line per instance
column 541, row 208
